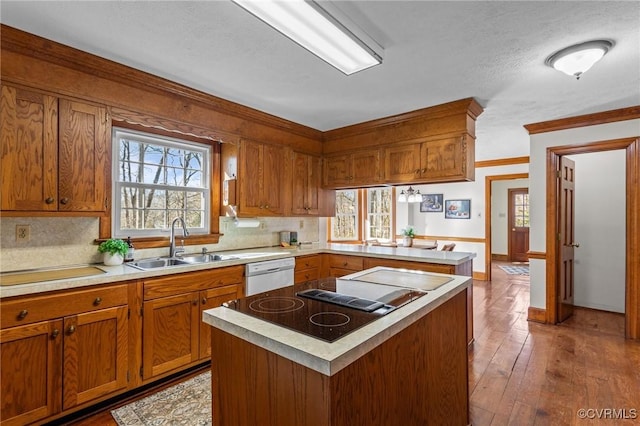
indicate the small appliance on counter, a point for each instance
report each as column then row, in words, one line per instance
column 285, row 238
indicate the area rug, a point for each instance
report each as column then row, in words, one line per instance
column 515, row 270
column 187, row 403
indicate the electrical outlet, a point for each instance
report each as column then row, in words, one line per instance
column 263, row 225
column 23, row 233
column 301, row 224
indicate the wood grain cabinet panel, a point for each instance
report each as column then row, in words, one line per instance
column 55, row 153
column 261, row 179
column 354, row 169
column 209, row 299
column 62, row 350
column 307, row 268
column 170, row 333
column 306, row 184
column 29, row 123
column 442, row 160
column 173, row 334
column 95, row 355
column 31, row 372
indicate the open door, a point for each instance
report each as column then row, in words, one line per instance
column 566, row 238
column 518, row 224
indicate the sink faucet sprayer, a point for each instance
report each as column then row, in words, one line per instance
column 172, row 238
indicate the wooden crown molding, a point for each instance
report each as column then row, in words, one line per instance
column 467, row 106
column 27, row 44
column 502, row 162
column 611, row 116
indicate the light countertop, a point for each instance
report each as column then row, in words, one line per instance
column 329, row 358
column 113, row 274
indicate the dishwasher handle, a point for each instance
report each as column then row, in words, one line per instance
column 268, row 271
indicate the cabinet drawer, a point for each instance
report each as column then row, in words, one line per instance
column 306, row 275
column 353, row 263
column 192, row 281
column 418, row 266
column 308, row 262
column 31, row 309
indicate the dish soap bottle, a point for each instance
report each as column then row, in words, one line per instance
column 129, row 256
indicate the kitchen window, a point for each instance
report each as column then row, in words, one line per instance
column 373, row 207
column 157, row 179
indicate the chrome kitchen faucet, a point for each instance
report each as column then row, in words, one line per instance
column 172, row 238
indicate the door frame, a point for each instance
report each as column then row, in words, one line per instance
column 487, row 215
column 632, row 244
column 510, row 220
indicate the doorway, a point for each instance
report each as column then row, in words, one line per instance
column 518, row 229
column 488, row 185
column 554, row 249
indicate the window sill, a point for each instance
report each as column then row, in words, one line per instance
column 156, row 242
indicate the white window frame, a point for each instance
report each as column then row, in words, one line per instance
column 368, row 212
column 120, row 133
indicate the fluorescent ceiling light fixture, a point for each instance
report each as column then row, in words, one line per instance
column 577, row 59
column 318, row 31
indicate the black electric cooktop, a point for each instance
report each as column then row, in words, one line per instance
column 327, row 308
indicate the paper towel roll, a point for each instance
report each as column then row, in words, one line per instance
column 247, row 223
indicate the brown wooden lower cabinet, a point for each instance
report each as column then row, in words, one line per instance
column 417, row 377
column 307, row 268
column 173, row 336
column 55, row 365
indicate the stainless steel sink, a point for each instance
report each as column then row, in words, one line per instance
column 160, row 262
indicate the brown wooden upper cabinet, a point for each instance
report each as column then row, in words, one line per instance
column 55, row 153
column 442, row 160
column 261, row 178
column 354, row 169
column 308, row 197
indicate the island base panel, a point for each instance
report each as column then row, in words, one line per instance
column 417, row 377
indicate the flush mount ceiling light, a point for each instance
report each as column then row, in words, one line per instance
column 315, row 29
column 577, row 59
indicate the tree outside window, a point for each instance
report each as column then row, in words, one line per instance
column 344, row 226
column 379, row 213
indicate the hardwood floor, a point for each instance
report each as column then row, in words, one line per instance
column 523, row 373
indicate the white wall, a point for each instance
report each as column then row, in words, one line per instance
column 600, row 203
column 500, row 213
column 537, row 188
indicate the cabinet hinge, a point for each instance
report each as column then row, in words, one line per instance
column 559, row 236
column 141, row 372
column 558, row 174
column 141, row 312
column 128, row 317
column 128, row 376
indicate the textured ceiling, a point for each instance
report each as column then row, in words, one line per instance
column 434, row 52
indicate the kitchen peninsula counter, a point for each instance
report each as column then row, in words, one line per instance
column 407, row 367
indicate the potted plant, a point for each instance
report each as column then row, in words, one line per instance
column 114, row 251
column 408, row 234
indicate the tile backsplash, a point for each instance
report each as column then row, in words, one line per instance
column 70, row 240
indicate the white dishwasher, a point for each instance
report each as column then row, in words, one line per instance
column 269, row 275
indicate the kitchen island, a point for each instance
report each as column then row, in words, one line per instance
column 407, row 367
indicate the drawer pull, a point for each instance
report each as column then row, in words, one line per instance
column 345, row 264
column 55, row 333
column 97, row 301
column 204, row 300
column 64, row 200
column 71, row 329
column 49, row 200
column 23, row 313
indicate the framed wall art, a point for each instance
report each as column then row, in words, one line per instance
column 457, row 209
column 431, row 203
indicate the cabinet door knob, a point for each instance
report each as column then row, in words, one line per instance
column 49, row 200
column 266, row 206
column 71, row 329
column 64, row 200
column 97, row 301
column 204, row 300
column 55, row 333
column 195, row 302
column 23, row 313
column 345, row 264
